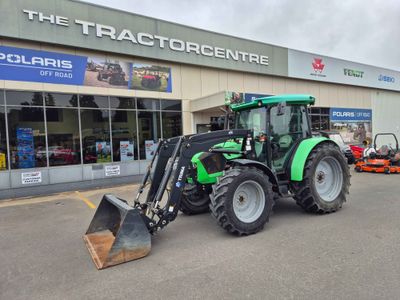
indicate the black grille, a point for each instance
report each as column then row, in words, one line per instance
column 213, row 162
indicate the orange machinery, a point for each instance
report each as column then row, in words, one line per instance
column 382, row 161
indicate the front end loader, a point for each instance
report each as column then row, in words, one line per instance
column 237, row 174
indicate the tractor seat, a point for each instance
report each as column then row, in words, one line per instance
column 285, row 141
column 384, row 152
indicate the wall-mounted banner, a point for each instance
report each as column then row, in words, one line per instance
column 41, row 66
column 236, row 97
column 102, row 72
column 151, row 78
column 354, row 124
column 51, row 67
column 233, row 97
column 248, row 97
column 350, row 114
column 323, row 68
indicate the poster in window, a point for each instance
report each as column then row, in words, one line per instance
column 2, row 161
column 150, row 147
column 151, row 78
column 25, row 148
column 103, row 152
column 126, row 150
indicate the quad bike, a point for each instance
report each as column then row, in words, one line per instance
column 235, row 173
column 113, row 73
column 380, row 161
column 151, row 81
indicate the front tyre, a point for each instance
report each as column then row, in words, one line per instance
column 194, row 201
column 242, row 200
column 326, row 181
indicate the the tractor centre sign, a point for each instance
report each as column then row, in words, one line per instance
column 147, row 39
column 86, row 26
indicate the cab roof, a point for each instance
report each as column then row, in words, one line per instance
column 301, row 99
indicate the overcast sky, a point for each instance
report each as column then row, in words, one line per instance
column 366, row 31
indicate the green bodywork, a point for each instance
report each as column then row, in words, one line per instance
column 300, row 157
column 302, row 152
column 272, row 100
column 202, row 176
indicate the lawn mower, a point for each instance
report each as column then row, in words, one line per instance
column 382, row 160
column 237, row 174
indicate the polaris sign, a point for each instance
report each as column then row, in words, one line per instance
column 350, row 114
column 41, row 66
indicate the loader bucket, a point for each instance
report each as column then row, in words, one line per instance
column 117, row 234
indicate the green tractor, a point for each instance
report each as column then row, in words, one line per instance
column 237, row 173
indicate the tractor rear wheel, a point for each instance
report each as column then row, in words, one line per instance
column 242, row 200
column 194, row 201
column 326, row 181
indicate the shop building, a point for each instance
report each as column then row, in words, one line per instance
column 87, row 91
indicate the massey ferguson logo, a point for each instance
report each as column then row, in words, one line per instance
column 318, row 67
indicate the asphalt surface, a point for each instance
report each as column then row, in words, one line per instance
column 351, row 254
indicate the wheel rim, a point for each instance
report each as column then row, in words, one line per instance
column 328, row 179
column 249, row 201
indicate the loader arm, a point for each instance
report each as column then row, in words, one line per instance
column 119, row 232
column 174, row 159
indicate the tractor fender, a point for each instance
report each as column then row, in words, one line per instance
column 259, row 165
column 301, row 154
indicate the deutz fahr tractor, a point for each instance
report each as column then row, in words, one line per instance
column 237, row 173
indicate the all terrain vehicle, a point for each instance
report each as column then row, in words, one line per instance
column 235, row 173
column 113, row 73
column 151, row 81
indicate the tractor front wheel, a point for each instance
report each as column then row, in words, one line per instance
column 194, row 201
column 326, row 181
column 242, row 200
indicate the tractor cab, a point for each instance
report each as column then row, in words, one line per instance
column 278, row 124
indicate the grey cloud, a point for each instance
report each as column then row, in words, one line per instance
column 358, row 30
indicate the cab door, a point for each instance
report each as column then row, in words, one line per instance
column 287, row 125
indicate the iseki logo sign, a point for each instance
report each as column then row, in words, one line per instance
column 318, row 67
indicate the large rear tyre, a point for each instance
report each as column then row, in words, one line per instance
column 194, row 201
column 326, row 181
column 242, row 200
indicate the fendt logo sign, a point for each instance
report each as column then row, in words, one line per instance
column 353, row 73
column 101, row 31
column 318, row 67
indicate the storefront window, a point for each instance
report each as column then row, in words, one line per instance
column 63, row 100
column 171, row 105
column 63, row 136
column 24, row 98
column 148, row 104
column 171, row 124
column 319, row 118
column 95, row 136
column 122, row 103
column 124, row 135
column 149, row 133
column 3, row 140
column 93, row 101
column 27, row 137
